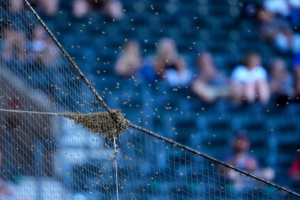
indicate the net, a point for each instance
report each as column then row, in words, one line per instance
column 59, row 140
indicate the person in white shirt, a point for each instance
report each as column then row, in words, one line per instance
column 251, row 79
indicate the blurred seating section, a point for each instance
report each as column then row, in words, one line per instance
column 223, row 31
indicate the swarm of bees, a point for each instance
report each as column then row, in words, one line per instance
column 101, row 123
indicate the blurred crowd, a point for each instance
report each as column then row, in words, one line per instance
column 16, row 47
column 80, row 8
column 279, row 25
column 278, row 20
column 248, row 82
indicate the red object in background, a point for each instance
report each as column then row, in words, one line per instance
column 295, row 168
column 13, row 105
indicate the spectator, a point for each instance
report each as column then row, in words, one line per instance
column 111, row 8
column 281, row 83
column 38, row 39
column 279, row 7
column 13, row 44
column 6, row 49
column 170, row 64
column 130, row 62
column 38, row 44
column 278, row 30
column 80, row 8
column 148, row 72
column 52, row 52
column 270, row 25
column 209, row 86
column 239, row 157
column 48, row 8
column 16, row 5
column 287, row 41
column 19, row 46
column 251, row 79
column 5, row 192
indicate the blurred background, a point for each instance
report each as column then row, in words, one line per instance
column 220, row 76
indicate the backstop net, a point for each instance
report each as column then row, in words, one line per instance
column 59, row 140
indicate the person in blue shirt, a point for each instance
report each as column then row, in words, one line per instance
column 210, row 85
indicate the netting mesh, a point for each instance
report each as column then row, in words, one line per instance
column 46, row 156
column 155, row 169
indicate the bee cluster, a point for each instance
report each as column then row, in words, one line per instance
column 102, row 122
